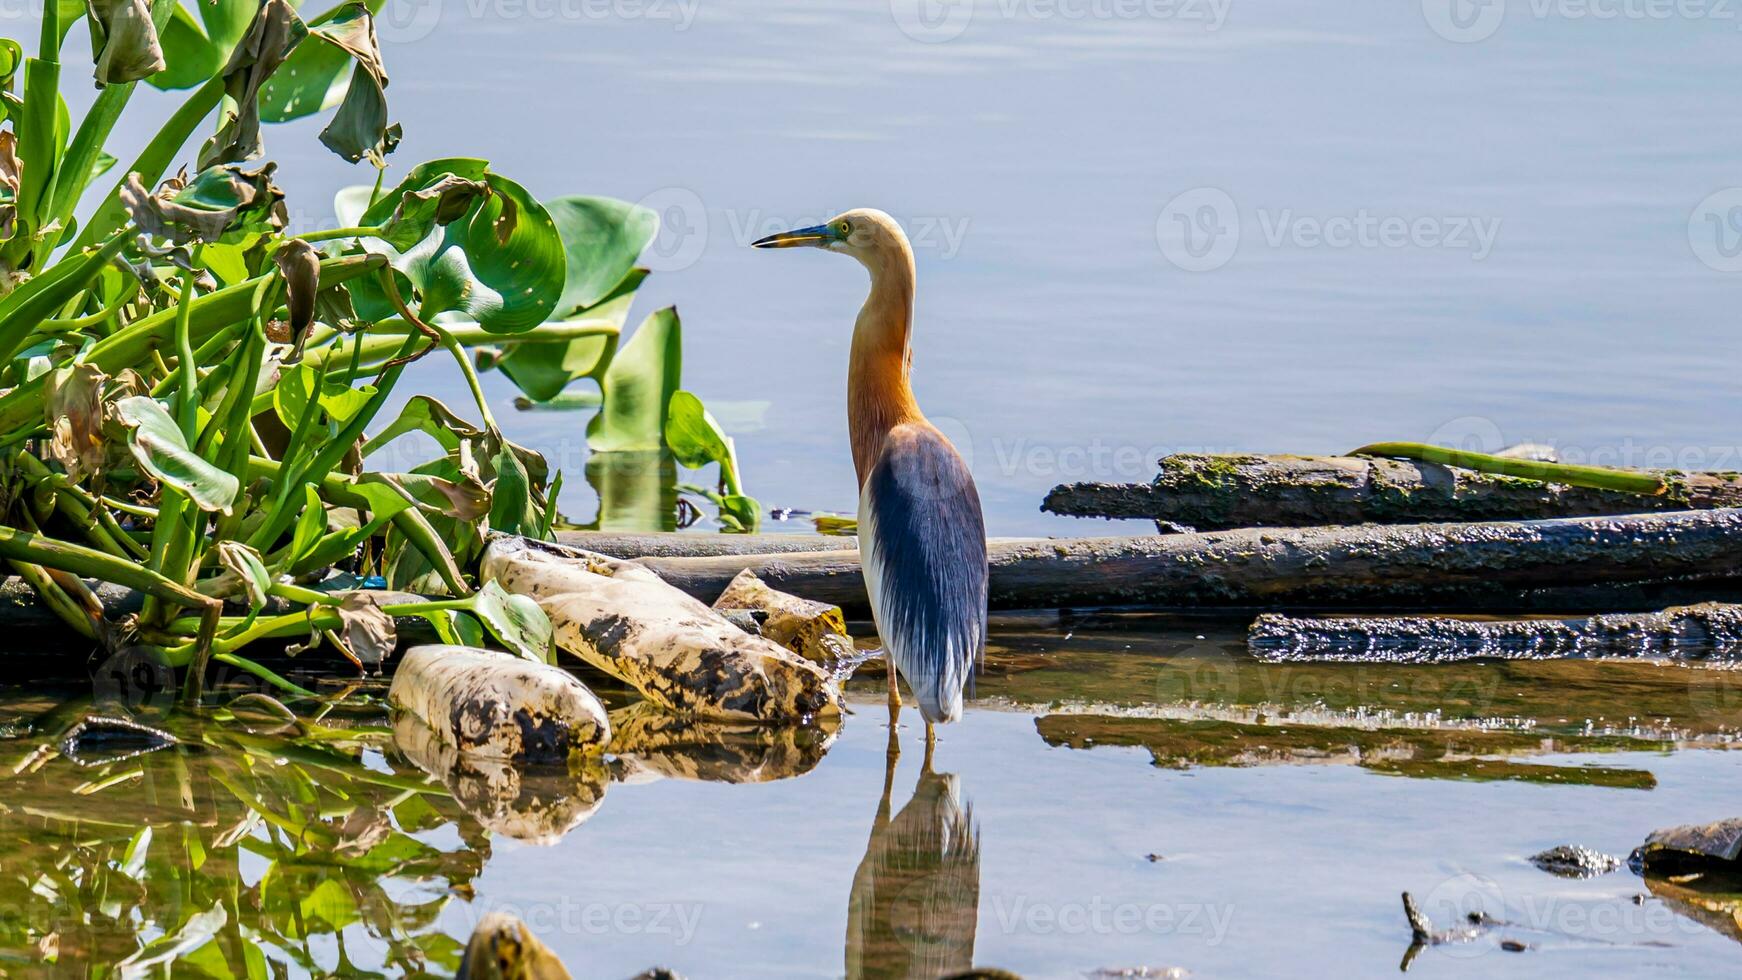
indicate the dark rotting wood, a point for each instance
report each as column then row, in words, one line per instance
column 1489, row 566
column 1708, row 631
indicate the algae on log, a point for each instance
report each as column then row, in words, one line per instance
column 816, row 631
column 625, row 620
column 498, row 706
column 1513, row 565
column 1707, row 631
column 1212, row 492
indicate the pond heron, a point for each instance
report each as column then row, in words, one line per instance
column 922, row 539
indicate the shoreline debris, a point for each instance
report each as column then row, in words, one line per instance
column 495, row 705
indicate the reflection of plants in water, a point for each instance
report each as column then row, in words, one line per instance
column 916, row 896
column 232, row 854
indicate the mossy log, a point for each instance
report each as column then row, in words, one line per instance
column 1710, row 630
column 815, row 631
column 1214, row 492
column 1580, row 563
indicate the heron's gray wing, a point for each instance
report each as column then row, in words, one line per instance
column 922, row 540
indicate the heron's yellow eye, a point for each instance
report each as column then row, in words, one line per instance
column 846, row 228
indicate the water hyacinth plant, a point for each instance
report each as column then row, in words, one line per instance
column 191, row 395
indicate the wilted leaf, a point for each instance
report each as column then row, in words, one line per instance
column 360, row 127
column 275, row 31
column 313, row 78
column 443, row 201
column 515, row 620
column 158, row 446
column 464, row 499
column 638, row 386
column 74, row 408
column 300, row 265
column 123, row 40
column 367, row 632
column 216, row 201
column 423, row 413
column 250, row 571
column 8, row 184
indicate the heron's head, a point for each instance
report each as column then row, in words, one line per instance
column 866, row 234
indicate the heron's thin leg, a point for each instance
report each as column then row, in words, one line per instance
column 894, row 690
column 931, row 742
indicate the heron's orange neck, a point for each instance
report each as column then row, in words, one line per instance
column 878, row 395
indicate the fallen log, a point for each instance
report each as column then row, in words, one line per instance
column 673, row 544
column 815, row 631
column 1214, row 492
column 498, row 706
column 1576, row 563
column 1708, row 631
column 680, row 654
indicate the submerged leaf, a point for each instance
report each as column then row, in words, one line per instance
column 275, row 31
column 123, row 41
column 158, row 445
column 638, row 387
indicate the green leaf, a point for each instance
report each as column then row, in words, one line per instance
column 360, row 128
column 543, row 369
column 427, row 415
column 638, row 386
column 314, row 77
column 311, row 524
column 693, row 435
column 191, row 56
column 602, row 237
column 158, row 446
column 515, row 620
column 500, row 263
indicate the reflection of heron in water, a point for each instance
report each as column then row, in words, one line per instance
column 916, row 896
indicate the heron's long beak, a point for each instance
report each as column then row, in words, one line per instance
column 815, row 236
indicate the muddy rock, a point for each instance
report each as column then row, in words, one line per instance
column 1573, row 861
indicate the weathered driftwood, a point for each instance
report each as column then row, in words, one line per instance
column 624, row 620
column 1707, row 631
column 1487, row 566
column 815, row 631
column 533, row 805
column 498, row 706
column 1212, row 492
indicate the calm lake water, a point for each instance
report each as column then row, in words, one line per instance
column 1121, row 794
column 1504, row 238
column 1140, row 228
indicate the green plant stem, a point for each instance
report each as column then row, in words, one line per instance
column 53, row 596
column 1595, row 477
column 243, row 663
column 91, row 563
column 334, row 234
column 154, row 159
column 74, row 324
